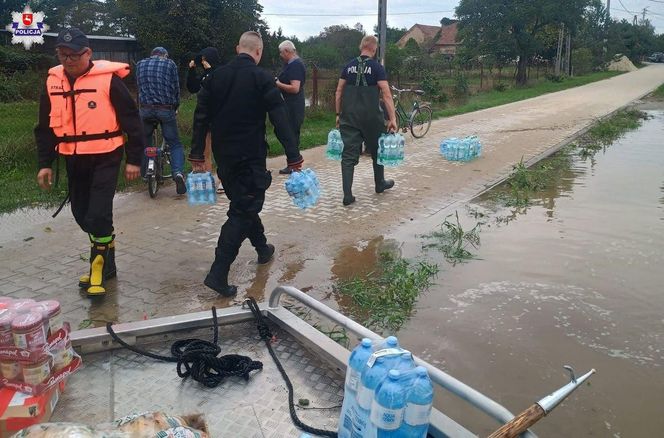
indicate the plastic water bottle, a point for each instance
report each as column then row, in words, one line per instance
column 382, row 149
column 192, row 188
column 371, row 377
column 212, row 191
column 304, row 188
column 402, row 148
column 335, row 145
column 405, row 362
column 389, row 342
column 394, row 153
column 358, row 359
column 389, row 405
column 419, row 400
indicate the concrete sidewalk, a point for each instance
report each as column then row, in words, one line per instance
column 165, row 247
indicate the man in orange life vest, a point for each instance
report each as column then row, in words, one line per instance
column 82, row 115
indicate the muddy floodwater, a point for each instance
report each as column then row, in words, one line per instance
column 575, row 278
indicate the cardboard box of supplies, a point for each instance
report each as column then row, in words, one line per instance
column 19, row 410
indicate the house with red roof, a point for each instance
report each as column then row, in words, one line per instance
column 435, row 39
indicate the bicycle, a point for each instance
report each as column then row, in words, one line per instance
column 158, row 157
column 419, row 119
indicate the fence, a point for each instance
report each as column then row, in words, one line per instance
column 451, row 81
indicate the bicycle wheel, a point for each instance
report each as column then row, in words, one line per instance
column 166, row 171
column 153, row 186
column 420, row 121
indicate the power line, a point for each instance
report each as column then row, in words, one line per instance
column 357, row 15
column 626, row 10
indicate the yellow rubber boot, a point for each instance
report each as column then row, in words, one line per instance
column 96, row 287
column 110, row 271
column 99, row 265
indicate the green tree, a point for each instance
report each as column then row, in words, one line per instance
column 9, row 6
column 512, row 27
column 186, row 26
column 341, row 38
column 94, row 17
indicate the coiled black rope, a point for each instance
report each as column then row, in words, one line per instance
column 266, row 335
column 198, row 359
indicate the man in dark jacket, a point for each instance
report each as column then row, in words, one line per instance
column 233, row 101
column 291, row 83
column 208, row 60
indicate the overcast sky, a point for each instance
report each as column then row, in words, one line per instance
column 306, row 18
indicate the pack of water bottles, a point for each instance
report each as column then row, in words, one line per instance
column 335, row 146
column 304, row 188
column 385, row 394
column 391, row 149
column 201, row 189
column 461, row 149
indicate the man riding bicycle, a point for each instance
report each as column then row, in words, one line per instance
column 159, row 98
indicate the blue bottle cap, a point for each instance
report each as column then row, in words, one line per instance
column 392, row 341
column 366, row 342
column 421, row 371
column 394, row 374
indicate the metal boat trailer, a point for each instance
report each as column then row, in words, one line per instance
column 114, row 382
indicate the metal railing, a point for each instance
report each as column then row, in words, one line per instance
column 451, row 384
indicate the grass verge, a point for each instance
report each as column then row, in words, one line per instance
column 385, row 298
column 525, row 182
column 493, row 98
column 659, row 92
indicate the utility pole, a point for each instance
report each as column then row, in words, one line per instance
column 559, row 52
column 645, row 10
column 608, row 7
column 568, row 64
column 382, row 30
column 636, row 20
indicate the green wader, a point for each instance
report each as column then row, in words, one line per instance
column 361, row 120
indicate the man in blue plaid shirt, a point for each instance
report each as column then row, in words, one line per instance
column 159, row 98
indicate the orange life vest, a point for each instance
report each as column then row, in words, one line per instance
column 83, row 119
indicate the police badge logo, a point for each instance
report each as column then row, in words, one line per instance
column 27, row 28
column 92, row 104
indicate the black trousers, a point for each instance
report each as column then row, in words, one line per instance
column 92, row 181
column 245, row 181
column 296, row 116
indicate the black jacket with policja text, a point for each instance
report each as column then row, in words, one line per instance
column 234, row 100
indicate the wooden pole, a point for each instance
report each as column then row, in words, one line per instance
column 314, row 83
column 481, row 75
column 520, row 423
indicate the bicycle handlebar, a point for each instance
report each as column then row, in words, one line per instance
column 407, row 90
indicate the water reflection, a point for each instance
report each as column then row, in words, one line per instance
column 358, row 261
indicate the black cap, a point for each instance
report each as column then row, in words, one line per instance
column 72, row 38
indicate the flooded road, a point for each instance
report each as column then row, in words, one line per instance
column 575, row 278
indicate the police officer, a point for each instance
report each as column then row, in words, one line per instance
column 359, row 115
column 234, row 100
column 83, row 114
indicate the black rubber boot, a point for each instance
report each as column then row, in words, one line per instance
column 347, row 183
column 265, row 254
column 217, row 279
column 382, row 184
column 110, row 270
